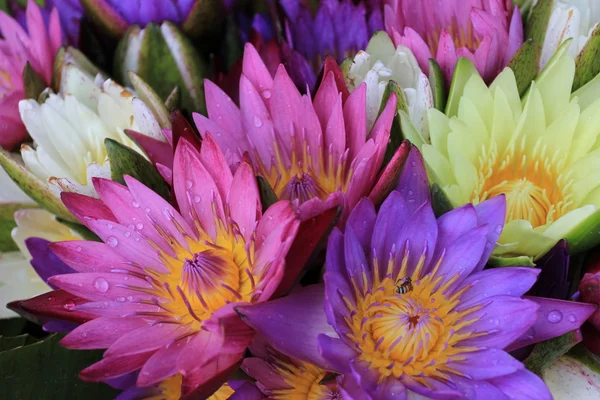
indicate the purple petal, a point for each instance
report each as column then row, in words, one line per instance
column 454, row 224
column 413, row 183
column 554, row 318
column 292, row 324
column 523, row 384
column 248, row 391
column 336, row 353
column 553, row 281
column 486, row 364
column 491, row 212
column 44, row 261
column 362, row 221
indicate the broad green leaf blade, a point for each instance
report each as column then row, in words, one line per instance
column 548, row 351
column 12, row 326
column 525, row 65
column 401, row 105
column 537, row 23
column 147, row 94
column 7, row 223
column 34, row 188
column 440, row 202
column 126, row 161
column 8, row 343
column 585, row 235
column 587, row 63
column 438, row 87
column 267, row 195
column 33, row 83
column 500, row 262
column 45, row 370
column 462, row 73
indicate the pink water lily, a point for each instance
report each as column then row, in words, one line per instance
column 488, row 32
column 38, row 46
column 315, row 152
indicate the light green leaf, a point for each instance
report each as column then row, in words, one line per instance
column 520, row 261
column 7, row 223
column 438, row 87
column 525, row 65
column 587, row 63
column 548, row 351
column 537, row 23
column 267, row 195
column 462, row 73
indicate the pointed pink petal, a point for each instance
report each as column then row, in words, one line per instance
column 85, row 207
column 244, row 200
column 158, row 151
column 325, row 99
column 285, row 105
column 102, row 286
column 54, row 32
column 162, row 365
column 388, row 179
column 57, row 304
column 381, row 130
column 101, row 333
column 515, row 35
column 256, row 71
column 232, row 144
column 221, row 109
column 36, row 26
column 216, row 165
column 335, row 134
column 203, row 347
column 146, row 338
column 446, row 55
column 87, row 256
column 332, row 66
column 112, row 367
column 355, row 115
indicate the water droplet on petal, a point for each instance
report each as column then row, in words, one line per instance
column 121, row 299
column 135, row 204
column 137, row 239
column 147, row 210
column 127, row 234
column 101, row 285
column 109, row 226
column 572, row 318
column 51, row 298
column 112, row 241
column 555, row 316
column 498, row 229
column 129, row 298
column 78, row 249
column 69, row 305
column 196, row 199
column 257, row 121
column 139, row 226
column 266, row 94
column 188, row 184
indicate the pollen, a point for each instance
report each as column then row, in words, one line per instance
column 461, row 37
column 417, row 333
column 535, row 187
column 304, row 381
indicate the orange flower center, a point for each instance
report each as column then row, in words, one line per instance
column 462, row 37
column 304, row 381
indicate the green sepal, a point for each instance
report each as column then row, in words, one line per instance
column 106, row 17
column 537, row 23
column 46, row 370
column 7, row 223
column 267, row 194
column 32, row 82
column 440, row 202
column 585, row 235
column 34, row 187
column 587, row 63
column 9, row 343
column 174, row 99
column 147, row 94
column 463, row 71
column 525, row 65
column 396, row 136
column 345, row 66
column 548, row 351
column 82, row 230
column 438, row 87
column 126, row 161
column 44, row 95
column 205, row 17
column 519, row 261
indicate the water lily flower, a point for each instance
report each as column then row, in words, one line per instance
column 281, row 377
column 316, row 153
column 382, row 62
column 70, row 14
column 488, row 32
column 70, row 128
column 37, row 47
column 168, row 389
column 537, row 152
column 573, row 376
column 406, row 307
column 115, row 16
column 159, row 292
column 576, row 19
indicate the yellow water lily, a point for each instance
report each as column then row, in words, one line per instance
column 541, row 152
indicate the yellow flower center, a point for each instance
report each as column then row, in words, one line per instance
column 304, row 381
column 461, row 37
column 533, row 184
column 223, row 393
column 208, row 276
column 169, row 389
column 409, row 330
column 301, row 177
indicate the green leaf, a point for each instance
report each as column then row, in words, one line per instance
column 12, row 326
column 7, row 223
column 586, row 235
column 45, row 370
column 32, row 82
column 525, row 65
column 205, row 17
column 345, row 66
column 462, row 73
column 548, row 351
column 8, row 343
column 440, row 202
column 396, row 136
column 520, row 261
column 588, row 93
column 438, row 87
column 34, row 187
column 126, row 161
column 174, row 99
column 267, row 195
column 587, row 63
column 537, row 23
column 147, row 94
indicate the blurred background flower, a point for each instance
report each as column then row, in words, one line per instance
column 487, row 32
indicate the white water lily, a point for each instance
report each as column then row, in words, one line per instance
column 69, row 129
column 575, row 19
column 380, row 63
column 569, row 378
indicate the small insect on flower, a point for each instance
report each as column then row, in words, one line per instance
column 405, row 287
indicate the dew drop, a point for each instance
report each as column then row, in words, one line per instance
column 555, row 316
column 196, row 199
column 51, row 298
column 266, row 94
column 147, row 210
column 78, row 249
column 139, row 226
column 137, row 239
column 120, row 299
column 572, row 318
column 109, row 226
column 188, row 184
column 410, row 193
column 101, row 285
column 112, row 241
column 129, row 298
column 131, row 226
column 498, row 229
column 69, row 305
column 257, row 121
column 127, row 234
column 84, row 334
column 135, row 204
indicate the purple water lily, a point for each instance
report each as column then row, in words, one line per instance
column 407, row 307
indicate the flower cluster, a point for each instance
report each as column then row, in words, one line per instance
column 299, row 199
